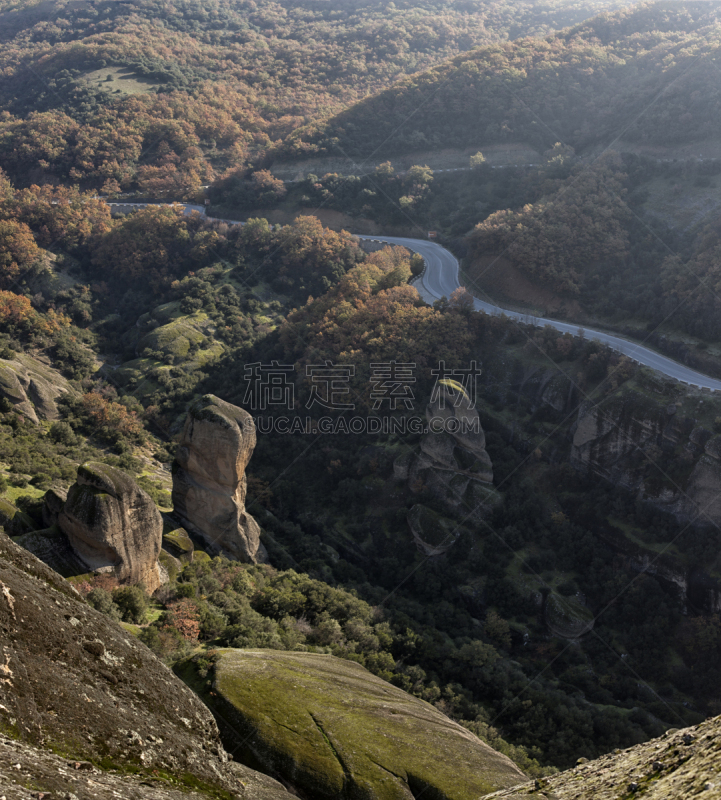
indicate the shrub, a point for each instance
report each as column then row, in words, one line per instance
column 132, row 603
column 185, row 590
column 62, row 433
column 165, row 642
column 212, row 623
column 102, row 601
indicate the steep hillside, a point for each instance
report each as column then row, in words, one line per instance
column 162, row 98
column 645, row 76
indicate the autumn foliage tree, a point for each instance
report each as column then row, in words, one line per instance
column 59, row 216
column 565, row 233
column 309, row 258
column 18, row 251
column 183, row 615
column 150, row 245
column 17, row 316
column 111, row 418
column 373, row 315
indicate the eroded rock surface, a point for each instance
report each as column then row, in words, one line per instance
column 680, row 764
column 31, row 386
column 113, row 525
column 209, row 482
column 452, row 460
column 333, row 731
column 53, row 502
column 432, row 533
column 73, row 681
column 635, row 444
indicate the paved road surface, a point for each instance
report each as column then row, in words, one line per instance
column 440, row 278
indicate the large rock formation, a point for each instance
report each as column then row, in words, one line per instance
column 209, row 483
column 84, row 705
column 113, row 525
column 31, row 386
column 333, row 731
column 680, row 765
column 452, row 461
column 659, row 451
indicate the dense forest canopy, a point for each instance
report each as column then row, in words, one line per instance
column 646, row 75
column 163, row 97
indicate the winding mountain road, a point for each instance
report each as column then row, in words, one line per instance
column 440, row 278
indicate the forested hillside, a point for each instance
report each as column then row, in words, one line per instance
column 559, row 594
column 466, row 632
column 164, row 98
column 645, row 75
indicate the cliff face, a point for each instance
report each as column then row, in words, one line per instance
column 209, row 483
column 113, row 525
column 452, row 461
column 72, row 681
column 667, row 458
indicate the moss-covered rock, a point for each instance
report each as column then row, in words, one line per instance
column 331, row 729
column 174, row 339
column 179, row 544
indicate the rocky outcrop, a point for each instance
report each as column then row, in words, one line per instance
column 179, row 545
column 333, row 731
column 51, row 546
column 451, row 461
column 666, row 458
column 209, row 483
column 31, row 387
column 53, row 502
column 680, row 764
column 432, row 533
column 73, row 682
column 113, row 525
column 13, row 521
column 567, row 617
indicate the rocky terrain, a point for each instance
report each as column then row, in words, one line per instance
column 681, row 764
column 31, row 386
column 453, row 464
column 209, row 483
column 113, row 525
column 331, row 729
column 105, row 525
column 86, row 709
column 610, row 437
column 451, row 461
